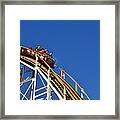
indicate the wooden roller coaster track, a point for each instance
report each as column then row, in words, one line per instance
column 58, row 83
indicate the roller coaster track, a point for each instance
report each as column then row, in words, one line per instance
column 56, row 83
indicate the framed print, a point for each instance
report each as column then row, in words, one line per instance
column 59, row 59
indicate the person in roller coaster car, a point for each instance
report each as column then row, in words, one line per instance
column 38, row 47
column 45, row 55
column 44, row 52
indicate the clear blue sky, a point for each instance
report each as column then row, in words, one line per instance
column 75, row 45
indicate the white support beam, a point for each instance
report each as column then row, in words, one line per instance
column 35, row 79
column 40, row 88
column 41, row 79
column 27, row 65
column 40, row 94
column 48, row 87
column 26, row 80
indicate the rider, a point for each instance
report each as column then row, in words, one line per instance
column 50, row 54
column 38, row 47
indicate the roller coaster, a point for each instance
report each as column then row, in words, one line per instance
column 39, row 80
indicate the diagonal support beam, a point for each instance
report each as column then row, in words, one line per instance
column 27, row 65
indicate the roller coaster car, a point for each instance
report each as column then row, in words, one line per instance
column 30, row 52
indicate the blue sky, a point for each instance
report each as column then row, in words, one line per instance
column 75, row 45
